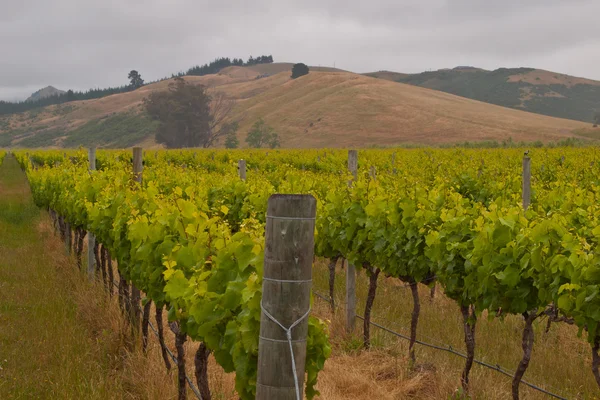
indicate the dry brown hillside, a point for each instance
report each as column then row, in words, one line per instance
column 327, row 108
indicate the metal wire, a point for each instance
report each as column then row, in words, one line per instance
column 446, row 348
column 449, row 349
column 288, row 335
column 187, row 378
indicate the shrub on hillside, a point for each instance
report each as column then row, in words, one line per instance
column 298, row 70
column 262, row 135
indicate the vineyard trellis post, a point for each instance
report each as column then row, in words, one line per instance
column 350, row 269
column 289, row 250
column 526, row 182
column 242, row 169
column 138, row 168
column 529, row 315
column 373, row 172
column 91, row 259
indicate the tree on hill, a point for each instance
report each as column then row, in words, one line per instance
column 260, row 60
column 597, row 119
column 232, row 141
column 189, row 116
column 224, row 62
column 261, row 135
column 136, row 79
column 298, row 70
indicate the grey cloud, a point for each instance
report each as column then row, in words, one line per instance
column 94, row 43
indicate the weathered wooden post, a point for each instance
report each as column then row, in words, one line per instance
column 91, row 259
column 526, row 181
column 529, row 315
column 373, row 172
column 350, row 269
column 289, row 249
column 242, row 169
column 138, row 168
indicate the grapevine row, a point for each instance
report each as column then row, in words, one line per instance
column 174, row 247
column 448, row 216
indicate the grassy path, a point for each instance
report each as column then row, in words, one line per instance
column 45, row 350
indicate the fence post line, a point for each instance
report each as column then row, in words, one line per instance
column 242, row 169
column 526, row 193
column 138, row 168
column 91, row 259
column 289, row 250
column 350, row 269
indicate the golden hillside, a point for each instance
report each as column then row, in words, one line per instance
column 327, row 108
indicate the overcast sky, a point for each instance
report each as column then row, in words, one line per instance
column 79, row 44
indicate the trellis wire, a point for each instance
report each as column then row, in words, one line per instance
column 449, row 349
column 169, row 352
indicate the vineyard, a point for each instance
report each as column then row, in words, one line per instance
column 498, row 232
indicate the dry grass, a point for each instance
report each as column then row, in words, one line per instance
column 343, row 109
column 560, row 363
column 388, row 75
column 332, row 108
column 142, row 376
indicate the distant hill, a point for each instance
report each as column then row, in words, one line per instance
column 48, row 91
column 326, row 108
column 388, row 75
column 534, row 90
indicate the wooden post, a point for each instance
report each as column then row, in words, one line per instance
column 353, row 164
column 526, row 182
column 242, row 169
column 91, row 259
column 350, row 269
column 289, row 250
column 373, row 172
column 135, row 292
column 138, row 166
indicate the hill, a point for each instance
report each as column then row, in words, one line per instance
column 388, row 75
column 48, row 91
column 534, row 90
column 327, row 108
